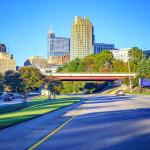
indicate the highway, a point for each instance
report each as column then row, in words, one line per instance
column 99, row 123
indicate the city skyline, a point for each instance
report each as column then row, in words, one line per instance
column 24, row 27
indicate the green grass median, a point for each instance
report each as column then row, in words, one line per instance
column 34, row 108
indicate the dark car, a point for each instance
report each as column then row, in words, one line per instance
column 8, row 97
column 120, row 93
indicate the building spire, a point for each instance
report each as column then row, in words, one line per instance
column 50, row 30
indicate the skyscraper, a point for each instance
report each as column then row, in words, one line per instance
column 82, row 38
column 57, row 46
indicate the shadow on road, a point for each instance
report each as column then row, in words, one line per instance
column 106, row 130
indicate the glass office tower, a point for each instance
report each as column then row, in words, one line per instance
column 98, row 47
column 57, row 46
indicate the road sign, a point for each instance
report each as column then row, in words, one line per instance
column 145, row 82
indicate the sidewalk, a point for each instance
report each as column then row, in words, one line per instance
column 22, row 136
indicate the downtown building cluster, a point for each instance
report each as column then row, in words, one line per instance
column 81, row 43
column 61, row 50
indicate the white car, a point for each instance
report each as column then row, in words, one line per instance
column 120, row 93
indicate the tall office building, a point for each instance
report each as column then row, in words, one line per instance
column 82, row 38
column 57, row 46
column 7, row 62
column 98, row 47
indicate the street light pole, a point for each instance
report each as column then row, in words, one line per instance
column 141, row 73
column 130, row 80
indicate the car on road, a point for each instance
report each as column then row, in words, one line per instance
column 7, row 96
column 120, row 93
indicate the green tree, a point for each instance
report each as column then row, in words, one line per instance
column 73, row 65
column 104, row 61
column 72, row 87
column 60, row 69
column 119, row 66
column 32, row 79
column 81, row 66
column 53, row 86
column 89, row 63
column 135, row 55
column 13, row 82
column 144, row 68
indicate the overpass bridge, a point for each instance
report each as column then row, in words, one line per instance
column 91, row 76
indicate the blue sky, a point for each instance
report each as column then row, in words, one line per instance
column 24, row 23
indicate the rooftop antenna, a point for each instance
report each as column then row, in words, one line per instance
column 50, row 30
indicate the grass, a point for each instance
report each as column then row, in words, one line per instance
column 15, row 107
column 14, row 114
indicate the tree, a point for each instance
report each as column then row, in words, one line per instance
column 104, row 61
column 90, row 87
column 13, row 82
column 60, row 69
column 73, row 65
column 135, row 55
column 120, row 66
column 32, row 78
column 144, row 68
column 53, row 86
column 81, row 66
column 88, row 63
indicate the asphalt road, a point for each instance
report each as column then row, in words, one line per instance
column 105, row 123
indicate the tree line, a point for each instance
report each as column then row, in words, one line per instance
column 103, row 62
column 27, row 79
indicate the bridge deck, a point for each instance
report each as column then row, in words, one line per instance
column 90, row 77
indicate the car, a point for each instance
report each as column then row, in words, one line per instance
column 11, row 95
column 120, row 93
column 7, row 96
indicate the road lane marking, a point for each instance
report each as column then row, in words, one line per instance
column 33, row 147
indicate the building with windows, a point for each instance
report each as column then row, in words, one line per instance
column 81, row 38
column 98, row 47
column 121, row 54
column 146, row 53
column 58, row 60
column 36, row 61
column 7, row 62
column 48, row 70
column 57, row 46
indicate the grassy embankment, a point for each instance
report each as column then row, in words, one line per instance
column 17, row 113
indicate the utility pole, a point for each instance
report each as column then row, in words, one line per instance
column 140, row 84
column 129, row 71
